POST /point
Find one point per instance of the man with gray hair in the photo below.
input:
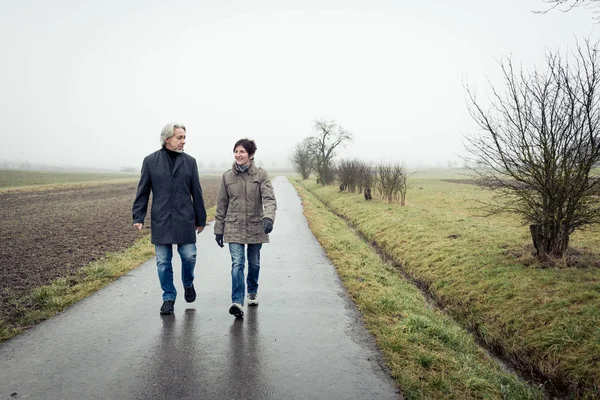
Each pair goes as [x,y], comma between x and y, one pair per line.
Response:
[177,213]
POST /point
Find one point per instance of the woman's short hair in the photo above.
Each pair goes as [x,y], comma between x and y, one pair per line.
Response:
[169,130]
[248,145]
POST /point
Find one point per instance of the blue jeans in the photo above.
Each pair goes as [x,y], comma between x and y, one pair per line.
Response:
[238,261]
[164,256]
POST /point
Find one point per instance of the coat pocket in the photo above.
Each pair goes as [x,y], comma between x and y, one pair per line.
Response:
[255,227]
[230,227]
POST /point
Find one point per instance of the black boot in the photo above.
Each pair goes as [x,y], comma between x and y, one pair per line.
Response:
[167,307]
[190,294]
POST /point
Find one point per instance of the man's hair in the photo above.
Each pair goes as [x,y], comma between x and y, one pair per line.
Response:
[168,131]
[248,145]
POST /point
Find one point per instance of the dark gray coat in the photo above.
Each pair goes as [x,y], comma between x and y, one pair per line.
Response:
[177,202]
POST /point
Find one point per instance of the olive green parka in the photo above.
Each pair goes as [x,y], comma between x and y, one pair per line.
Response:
[244,199]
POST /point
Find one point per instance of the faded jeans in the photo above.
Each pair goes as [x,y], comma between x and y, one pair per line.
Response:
[238,261]
[164,256]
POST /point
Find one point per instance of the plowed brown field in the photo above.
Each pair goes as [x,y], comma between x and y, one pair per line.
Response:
[51,232]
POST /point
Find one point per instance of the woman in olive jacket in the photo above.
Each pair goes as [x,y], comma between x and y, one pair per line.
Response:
[244,218]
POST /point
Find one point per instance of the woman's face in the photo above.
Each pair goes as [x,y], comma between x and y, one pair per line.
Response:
[241,156]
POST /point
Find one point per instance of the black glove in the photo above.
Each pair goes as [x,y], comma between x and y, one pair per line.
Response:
[219,240]
[267,225]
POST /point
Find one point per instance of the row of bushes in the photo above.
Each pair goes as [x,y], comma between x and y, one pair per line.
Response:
[389,180]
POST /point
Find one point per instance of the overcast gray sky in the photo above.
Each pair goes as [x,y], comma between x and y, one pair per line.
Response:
[91,83]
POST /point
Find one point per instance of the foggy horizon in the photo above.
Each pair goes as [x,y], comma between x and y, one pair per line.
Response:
[91,85]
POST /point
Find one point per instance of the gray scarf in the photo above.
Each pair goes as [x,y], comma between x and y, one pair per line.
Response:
[242,168]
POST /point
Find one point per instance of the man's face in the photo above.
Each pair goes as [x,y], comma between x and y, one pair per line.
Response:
[177,141]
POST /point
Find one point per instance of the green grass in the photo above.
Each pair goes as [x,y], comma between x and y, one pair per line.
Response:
[429,355]
[482,272]
[440,173]
[45,301]
[15,179]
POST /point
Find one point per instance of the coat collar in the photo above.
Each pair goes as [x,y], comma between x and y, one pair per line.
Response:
[178,161]
[176,164]
[251,169]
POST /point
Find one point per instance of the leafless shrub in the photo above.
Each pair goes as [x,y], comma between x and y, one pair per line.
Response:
[539,147]
[348,174]
[366,177]
[392,181]
[302,159]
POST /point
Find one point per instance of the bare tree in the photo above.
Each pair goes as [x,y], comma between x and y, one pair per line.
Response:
[392,181]
[568,5]
[366,179]
[329,136]
[356,175]
[539,144]
[302,159]
[401,174]
[348,172]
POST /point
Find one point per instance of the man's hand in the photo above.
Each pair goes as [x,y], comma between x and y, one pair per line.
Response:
[219,240]
[199,229]
[267,225]
[138,226]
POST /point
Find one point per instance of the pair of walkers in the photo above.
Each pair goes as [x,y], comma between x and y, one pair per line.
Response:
[244,216]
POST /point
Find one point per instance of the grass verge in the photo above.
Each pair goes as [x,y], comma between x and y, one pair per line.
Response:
[429,355]
[45,301]
[481,271]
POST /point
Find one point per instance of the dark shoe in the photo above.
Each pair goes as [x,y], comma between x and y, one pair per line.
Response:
[252,299]
[167,307]
[190,294]
[236,310]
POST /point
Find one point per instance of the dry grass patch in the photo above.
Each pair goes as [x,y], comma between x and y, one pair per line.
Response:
[545,321]
[429,355]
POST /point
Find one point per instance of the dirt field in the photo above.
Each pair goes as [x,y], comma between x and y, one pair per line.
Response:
[46,233]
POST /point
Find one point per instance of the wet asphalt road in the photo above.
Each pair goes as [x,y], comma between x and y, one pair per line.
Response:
[304,341]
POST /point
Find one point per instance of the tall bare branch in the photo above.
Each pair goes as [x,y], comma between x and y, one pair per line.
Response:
[329,137]
[538,148]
